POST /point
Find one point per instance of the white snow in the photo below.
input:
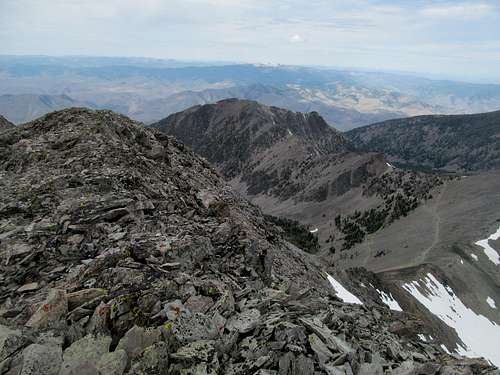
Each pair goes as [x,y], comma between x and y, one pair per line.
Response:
[474,256]
[491,302]
[490,252]
[389,300]
[343,293]
[390,165]
[445,348]
[462,261]
[314,230]
[290,132]
[422,337]
[363,285]
[480,336]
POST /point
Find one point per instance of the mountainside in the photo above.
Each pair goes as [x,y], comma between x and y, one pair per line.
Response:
[416,231]
[461,143]
[123,252]
[295,165]
[233,133]
[5,124]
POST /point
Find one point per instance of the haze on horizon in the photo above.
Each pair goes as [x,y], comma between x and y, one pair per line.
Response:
[449,39]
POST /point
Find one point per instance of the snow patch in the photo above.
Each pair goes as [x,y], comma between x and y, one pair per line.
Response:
[342,292]
[474,256]
[445,348]
[462,261]
[480,336]
[422,337]
[314,230]
[390,165]
[389,300]
[289,132]
[491,302]
[490,252]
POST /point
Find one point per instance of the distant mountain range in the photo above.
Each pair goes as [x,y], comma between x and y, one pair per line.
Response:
[461,143]
[149,90]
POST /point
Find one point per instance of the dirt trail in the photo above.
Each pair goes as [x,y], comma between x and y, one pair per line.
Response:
[422,257]
[437,226]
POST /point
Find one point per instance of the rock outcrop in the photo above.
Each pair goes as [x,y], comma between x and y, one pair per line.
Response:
[123,252]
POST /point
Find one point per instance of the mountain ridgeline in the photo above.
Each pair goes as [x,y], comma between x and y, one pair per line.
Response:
[458,143]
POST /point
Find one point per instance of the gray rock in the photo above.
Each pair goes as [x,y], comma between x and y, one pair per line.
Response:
[10,342]
[202,350]
[81,297]
[28,288]
[137,339]
[199,304]
[41,360]
[154,360]
[321,350]
[244,322]
[194,327]
[113,363]
[370,369]
[51,310]
[83,353]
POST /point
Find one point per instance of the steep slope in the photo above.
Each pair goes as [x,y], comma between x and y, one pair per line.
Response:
[123,252]
[294,165]
[460,143]
[446,254]
[5,124]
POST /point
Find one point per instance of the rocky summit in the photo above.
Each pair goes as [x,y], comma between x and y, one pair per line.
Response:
[124,253]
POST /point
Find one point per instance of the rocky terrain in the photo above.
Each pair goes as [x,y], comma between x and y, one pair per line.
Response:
[461,143]
[294,165]
[123,252]
[5,124]
[422,234]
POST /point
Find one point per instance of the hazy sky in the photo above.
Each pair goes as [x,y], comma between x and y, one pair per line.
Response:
[452,38]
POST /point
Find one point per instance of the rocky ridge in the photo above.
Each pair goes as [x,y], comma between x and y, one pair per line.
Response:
[5,124]
[123,252]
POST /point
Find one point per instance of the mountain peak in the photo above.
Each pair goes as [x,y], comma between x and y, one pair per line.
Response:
[232,131]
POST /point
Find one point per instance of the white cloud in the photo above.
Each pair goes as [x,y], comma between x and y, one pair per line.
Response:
[459,10]
[296,39]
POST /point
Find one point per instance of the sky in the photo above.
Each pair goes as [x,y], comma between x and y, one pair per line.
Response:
[459,39]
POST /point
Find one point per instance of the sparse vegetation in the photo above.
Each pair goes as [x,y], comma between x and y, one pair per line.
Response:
[296,233]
